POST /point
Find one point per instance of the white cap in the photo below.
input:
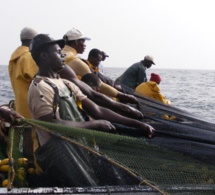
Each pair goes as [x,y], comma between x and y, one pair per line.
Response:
[150,58]
[27,33]
[75,34]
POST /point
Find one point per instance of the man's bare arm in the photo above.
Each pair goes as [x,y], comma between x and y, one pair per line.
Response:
[98,98]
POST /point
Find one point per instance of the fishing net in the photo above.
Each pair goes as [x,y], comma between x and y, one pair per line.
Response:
[179,130]
[178,160]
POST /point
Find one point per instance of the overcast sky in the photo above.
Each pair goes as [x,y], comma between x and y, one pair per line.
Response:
[177,33]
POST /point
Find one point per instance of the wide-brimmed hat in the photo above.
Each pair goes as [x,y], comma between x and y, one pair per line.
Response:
[104,54]
[43,39]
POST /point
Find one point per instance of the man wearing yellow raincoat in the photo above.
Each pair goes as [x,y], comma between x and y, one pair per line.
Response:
[22,69]
[151,89]
[75,44]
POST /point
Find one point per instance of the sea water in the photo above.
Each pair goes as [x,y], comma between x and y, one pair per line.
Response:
[190,90]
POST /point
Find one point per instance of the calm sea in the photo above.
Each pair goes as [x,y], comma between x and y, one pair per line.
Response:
[190,90]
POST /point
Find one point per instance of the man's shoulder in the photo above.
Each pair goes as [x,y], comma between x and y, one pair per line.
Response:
[138,64]
[20,52]
[40,81]
[69,84]
[35,84]
[79,67]
[41,85]
[37,80]
[70,54]
[134,66]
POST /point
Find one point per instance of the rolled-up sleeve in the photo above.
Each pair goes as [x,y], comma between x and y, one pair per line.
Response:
[40,99]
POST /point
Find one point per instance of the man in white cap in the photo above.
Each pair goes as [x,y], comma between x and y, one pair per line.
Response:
[22,69]
[75,44]
[135,74]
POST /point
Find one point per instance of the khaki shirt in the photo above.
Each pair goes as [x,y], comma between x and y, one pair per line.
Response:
[41,95]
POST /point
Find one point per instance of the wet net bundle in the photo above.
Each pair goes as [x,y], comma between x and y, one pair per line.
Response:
[178,160]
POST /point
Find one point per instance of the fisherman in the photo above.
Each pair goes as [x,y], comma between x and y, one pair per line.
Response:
[135,74]
[94,59]
[92,80]
[151,89]
[46,89]
[22,69]
[75,44]
[98,98]
[6,116]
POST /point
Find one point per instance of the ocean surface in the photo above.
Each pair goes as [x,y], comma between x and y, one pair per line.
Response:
[190,90]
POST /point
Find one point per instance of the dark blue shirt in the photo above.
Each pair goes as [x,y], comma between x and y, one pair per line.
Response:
[133,76]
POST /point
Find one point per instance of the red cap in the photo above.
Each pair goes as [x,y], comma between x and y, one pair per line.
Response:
[155,77]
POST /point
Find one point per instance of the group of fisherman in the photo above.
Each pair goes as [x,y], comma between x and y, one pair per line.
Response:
[44,72]
[133,80]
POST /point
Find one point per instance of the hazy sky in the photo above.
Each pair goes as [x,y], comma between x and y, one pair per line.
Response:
[177,33]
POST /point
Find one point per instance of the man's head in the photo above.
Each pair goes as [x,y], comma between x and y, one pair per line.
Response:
[155,78]
[148,61]
[92,80]
[95,57]
[26,35]
[104,55]
[76,39]
[47,51]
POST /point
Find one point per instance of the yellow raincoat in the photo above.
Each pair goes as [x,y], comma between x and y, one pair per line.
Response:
[151,90]
[22,69]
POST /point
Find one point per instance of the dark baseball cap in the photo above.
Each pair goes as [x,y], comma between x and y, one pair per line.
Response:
[103,53]
[43,39]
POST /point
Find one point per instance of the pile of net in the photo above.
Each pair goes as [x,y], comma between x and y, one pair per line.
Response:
[179,159]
